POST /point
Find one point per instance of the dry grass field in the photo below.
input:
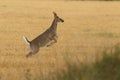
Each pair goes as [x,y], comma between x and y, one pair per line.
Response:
[89,27]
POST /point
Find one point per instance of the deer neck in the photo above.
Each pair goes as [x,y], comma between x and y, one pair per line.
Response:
[54,25]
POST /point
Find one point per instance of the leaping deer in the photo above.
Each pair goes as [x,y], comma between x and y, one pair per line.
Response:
[47,38]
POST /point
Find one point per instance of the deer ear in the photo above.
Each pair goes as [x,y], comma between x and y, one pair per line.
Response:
[54,14]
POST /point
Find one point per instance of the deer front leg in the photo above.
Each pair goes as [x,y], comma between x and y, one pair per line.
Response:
[53,40]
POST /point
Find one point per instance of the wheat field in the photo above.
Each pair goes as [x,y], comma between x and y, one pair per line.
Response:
[89,27]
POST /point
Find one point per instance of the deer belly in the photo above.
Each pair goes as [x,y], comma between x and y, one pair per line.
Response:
[45,43]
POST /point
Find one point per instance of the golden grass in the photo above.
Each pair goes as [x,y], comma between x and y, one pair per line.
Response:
[88,28]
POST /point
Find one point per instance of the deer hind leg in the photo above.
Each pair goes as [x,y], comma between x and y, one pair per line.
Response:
[53,40]
[32,53]
[29,54]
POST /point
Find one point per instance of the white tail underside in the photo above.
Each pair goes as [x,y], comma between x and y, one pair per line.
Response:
[26,40]
[28,44]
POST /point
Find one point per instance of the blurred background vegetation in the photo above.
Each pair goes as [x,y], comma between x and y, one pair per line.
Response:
[107,68]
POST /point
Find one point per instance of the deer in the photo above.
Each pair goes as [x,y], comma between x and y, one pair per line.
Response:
[47,38]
